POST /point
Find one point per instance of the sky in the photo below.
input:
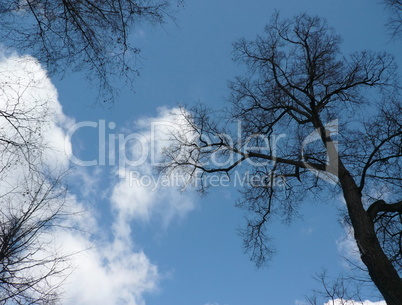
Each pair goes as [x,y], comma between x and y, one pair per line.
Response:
[145,243]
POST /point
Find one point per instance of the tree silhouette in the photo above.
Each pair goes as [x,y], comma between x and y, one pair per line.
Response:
[300,87]
[32,194]
[395,19]
[85,35]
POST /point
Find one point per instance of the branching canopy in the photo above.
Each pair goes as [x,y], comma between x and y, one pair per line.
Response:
[312,117]
[88,35]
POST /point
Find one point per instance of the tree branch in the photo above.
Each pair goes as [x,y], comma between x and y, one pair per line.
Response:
[382,206]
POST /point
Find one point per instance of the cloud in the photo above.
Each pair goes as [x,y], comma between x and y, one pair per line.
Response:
[105,270]
[112,272]
[31,111]
[140,193]
[344,302]
[351,302]
[108,273]
[347,247]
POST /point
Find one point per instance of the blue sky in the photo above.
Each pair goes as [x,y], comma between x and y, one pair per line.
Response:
[168,248]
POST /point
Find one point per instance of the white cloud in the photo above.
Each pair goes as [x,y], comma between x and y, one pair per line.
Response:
[344,302]
[347,246]
[27,94]
[112,273]
[351,302]
[140,193]
[106,271]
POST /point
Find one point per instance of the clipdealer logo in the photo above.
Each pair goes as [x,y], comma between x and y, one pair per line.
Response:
[132,151]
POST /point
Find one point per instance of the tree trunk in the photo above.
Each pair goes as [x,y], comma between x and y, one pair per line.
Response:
[381,270]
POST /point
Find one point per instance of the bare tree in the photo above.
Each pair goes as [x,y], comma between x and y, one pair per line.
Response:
[342,289]
[88,35]
[395,19]
[31,268]
[345,289]
[32,195]
[301,97]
